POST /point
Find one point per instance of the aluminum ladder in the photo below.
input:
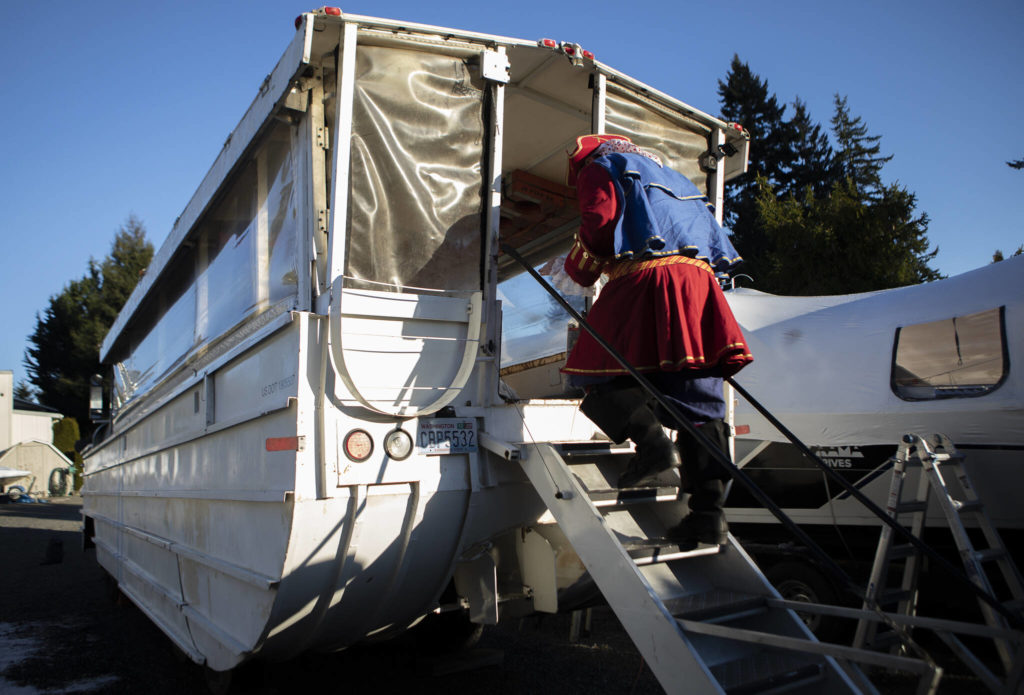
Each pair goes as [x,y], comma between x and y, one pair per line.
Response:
[705,620]
[932,453]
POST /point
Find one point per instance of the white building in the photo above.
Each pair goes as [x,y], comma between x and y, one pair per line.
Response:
[26,436]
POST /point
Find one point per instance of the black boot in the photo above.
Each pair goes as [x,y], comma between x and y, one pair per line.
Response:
[706,521]
[623,413]
[656,456]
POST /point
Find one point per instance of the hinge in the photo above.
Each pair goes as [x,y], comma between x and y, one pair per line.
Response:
[323,140]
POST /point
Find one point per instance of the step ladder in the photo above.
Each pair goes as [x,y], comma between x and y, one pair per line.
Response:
[933,453]
[704,619]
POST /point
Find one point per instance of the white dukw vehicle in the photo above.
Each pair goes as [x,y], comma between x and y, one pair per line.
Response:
[329,415]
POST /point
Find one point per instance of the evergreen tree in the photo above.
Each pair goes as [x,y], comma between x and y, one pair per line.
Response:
[812,163]
[745,99]
[863,235]
[812,215]
[64,348]
[24,391]
[839,244]
[998,255]
[857,155]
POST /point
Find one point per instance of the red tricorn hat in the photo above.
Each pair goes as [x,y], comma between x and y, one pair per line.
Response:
[585,146]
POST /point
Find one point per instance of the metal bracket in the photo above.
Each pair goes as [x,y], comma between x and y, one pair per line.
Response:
[494,66]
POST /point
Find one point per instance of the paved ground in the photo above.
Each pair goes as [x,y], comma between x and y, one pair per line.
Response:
[63,630]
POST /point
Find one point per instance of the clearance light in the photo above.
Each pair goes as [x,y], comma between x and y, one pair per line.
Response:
[589,55]
[569,49]
[398,444]
[358,445]
[548,43]
[335,11]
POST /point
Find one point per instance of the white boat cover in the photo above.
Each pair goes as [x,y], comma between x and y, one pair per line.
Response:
[824,365]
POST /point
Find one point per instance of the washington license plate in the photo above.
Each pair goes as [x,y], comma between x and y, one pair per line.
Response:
[446,436]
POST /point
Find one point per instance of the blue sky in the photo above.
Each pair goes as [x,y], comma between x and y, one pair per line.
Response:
[118,108]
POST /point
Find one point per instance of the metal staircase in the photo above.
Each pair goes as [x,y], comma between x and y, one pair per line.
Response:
[931,454]
[705,620]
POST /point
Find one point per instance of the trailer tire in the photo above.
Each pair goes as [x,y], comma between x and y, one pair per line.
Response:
[800,581]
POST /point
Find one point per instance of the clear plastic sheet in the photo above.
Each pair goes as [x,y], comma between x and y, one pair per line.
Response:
[242,262]
[678,141]
[417,150]
[534,325]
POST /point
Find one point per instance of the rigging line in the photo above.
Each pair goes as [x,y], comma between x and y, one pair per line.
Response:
[533,440]
[956,339]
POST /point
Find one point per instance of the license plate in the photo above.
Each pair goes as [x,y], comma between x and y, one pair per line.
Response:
[446,436]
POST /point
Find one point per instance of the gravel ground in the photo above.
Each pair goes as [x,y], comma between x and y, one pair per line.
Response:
[64,630]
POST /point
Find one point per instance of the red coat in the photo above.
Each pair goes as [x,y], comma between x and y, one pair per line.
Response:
[666,314]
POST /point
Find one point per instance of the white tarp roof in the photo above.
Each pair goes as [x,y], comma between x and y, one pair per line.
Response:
[822,365]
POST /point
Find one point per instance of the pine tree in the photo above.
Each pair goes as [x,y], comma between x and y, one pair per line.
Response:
[745,99]
[812,163]
[857,153]
[63,350]
[998,255]
[862,236]
[24,391]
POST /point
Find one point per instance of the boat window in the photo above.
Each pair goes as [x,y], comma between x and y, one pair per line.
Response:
[417,187]
[954,358]
[239,263]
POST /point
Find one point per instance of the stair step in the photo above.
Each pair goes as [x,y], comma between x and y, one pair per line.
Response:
[883,640]
[715,606]
[613,497]
[571,450]
[766,672]
[889,597]
[902,551]
[1016,605]
[966,506]
[911,507]
[647,551]
[990,554]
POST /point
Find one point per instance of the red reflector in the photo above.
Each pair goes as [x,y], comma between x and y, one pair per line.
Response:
[284,443]
[589,55]
[742,429]
[358,445]
[336,11]
[569,50]
[548,43]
